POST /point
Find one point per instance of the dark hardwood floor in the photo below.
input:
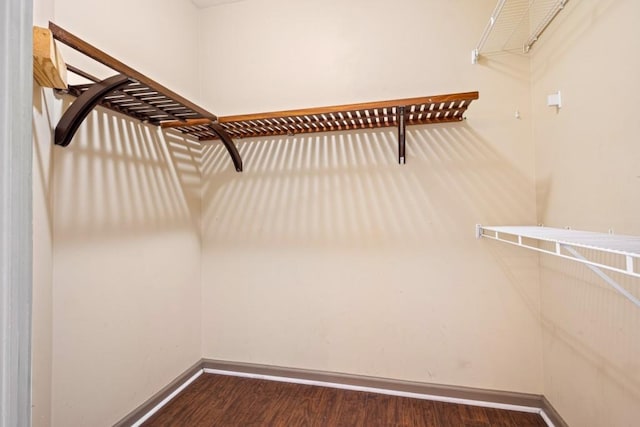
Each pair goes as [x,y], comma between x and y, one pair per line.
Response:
[217,400]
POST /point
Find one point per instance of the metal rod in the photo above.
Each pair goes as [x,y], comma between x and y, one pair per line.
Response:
[487,30]
[402,128]
[544,24]
[188,122]
[82,73]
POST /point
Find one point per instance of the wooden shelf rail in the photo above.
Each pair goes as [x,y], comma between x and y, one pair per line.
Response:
[129,92]
[399,112]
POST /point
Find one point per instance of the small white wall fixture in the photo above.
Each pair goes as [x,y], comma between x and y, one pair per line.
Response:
[554,100]
[566,243]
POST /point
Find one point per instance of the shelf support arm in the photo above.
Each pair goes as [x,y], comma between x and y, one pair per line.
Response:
[229,145]
[402,129]
[615,285]
[82,106]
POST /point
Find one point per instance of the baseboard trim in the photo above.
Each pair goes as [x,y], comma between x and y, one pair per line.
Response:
[161,398]
[444,391]
[454,394]
[551,412]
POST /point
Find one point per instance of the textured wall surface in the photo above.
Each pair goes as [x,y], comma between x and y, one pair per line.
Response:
[151,252]
[117,226]
[327,254]
[588,178]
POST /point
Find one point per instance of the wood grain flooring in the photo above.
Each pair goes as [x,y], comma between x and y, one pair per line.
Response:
[217,400]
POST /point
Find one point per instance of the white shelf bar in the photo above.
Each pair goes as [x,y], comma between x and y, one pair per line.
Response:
[566,244]
[516,25]
[475,53]
[544,23]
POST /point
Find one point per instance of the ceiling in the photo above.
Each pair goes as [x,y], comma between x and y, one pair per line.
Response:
[209,3]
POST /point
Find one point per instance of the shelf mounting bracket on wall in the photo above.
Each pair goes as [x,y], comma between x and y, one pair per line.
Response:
[402,128]
[133,94]
[565,243]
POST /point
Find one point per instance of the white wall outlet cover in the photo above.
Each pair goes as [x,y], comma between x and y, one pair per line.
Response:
[554,100]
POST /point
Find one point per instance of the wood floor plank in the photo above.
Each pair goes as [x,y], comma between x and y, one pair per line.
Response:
[380,410]
[257,403]
[473,415]
[305,406]
[498,417]
[218,400]
[448,415]
[416,412]
[349,409]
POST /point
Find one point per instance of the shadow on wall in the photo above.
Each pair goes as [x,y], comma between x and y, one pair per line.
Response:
[43,167]
[585,15]
[591,338]
[121,176]
[347,189]
[503,62]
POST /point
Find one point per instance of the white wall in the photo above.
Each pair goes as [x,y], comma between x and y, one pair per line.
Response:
[42,255]
[156,37]
[117,225]
[588,178]
[325,253]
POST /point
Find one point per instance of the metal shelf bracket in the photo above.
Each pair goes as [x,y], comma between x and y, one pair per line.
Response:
[402,130]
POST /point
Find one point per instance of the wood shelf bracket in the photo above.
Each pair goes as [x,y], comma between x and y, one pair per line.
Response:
[229,145]
[80,109]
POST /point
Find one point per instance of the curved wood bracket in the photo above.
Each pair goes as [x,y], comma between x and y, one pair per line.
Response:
[228,143]
[80,109]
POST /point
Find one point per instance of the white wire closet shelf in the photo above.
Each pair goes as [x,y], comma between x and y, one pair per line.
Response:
[612,252]
[515,25]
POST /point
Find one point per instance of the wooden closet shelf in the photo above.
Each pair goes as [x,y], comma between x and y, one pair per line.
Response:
[417,111]
[132,93]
